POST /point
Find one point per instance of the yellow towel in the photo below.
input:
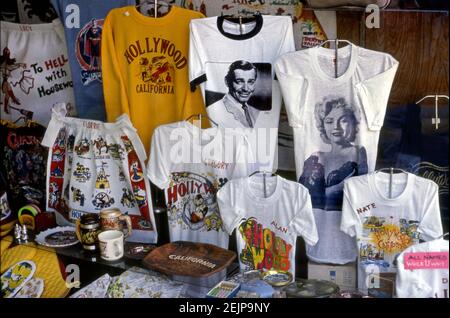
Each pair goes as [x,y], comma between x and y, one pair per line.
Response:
[47,267]
[5,243]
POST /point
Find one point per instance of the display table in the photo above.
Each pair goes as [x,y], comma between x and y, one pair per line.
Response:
[79,265]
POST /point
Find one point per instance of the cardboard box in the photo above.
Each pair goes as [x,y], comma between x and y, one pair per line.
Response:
[342,275]
[386,286]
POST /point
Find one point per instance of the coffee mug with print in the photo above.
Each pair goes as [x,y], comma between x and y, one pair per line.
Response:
[111,245]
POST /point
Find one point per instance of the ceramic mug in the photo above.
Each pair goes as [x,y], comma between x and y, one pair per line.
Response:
[113,219]
[87,229]
[111,245]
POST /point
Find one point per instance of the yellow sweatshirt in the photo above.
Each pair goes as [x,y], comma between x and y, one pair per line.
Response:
[145,68]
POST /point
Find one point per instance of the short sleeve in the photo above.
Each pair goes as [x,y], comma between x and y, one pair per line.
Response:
[374,93]
[431,225]
[229,211]
[157,168]
[294,89]
[197,72]
[303,223]
[350,221]
[288,44]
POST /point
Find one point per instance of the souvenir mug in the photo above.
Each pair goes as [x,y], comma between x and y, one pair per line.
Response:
[112,219]
[111,245]
[87,229]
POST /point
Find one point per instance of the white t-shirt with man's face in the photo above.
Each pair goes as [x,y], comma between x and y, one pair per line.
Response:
[385,223]
[336,123]
[268,214]
[233,65]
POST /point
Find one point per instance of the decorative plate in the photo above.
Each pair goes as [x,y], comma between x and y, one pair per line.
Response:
[5,210]
[32,289]
[58,237]
[16,277]
[277,278]
[311,288]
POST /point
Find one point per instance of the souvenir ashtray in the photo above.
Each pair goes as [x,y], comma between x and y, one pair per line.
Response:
[277,278]
[311,288]
[252,274]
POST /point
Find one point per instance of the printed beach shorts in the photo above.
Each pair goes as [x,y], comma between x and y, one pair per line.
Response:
[94,165]
[35,71]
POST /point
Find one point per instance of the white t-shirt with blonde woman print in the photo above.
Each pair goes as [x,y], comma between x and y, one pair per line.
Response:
[336,123]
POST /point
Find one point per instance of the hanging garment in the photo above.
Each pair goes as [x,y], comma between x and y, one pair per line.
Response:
[267,222]
[337,122]
[209,158]
[386,221]
[232,65]
[83,25]
[94,165]
[35,71]
[27,11]
[23,164]
[145,68]
[423,271]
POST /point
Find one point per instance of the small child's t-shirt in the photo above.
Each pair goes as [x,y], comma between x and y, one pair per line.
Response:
[385,225]
[268,214]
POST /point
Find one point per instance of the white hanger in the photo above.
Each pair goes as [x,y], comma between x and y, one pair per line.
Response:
[336,46]
[436,120]
[155,5]
[264,179]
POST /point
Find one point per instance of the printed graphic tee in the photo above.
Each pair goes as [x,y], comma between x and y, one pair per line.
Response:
[191,165]
[267,222]
[35,71]
[83,24]
[336,124]
[427,278]
[27,11]
[23,164]
[145,68]
[236,77]
[386,225]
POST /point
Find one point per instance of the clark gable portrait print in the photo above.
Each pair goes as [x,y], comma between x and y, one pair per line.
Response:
[242,90]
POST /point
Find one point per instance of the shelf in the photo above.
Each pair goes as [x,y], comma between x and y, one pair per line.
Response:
[361,9]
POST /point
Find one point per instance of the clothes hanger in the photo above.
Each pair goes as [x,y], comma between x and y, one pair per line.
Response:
[336,46]
[155,4]
[241,16]
[199,116]
[443,236]
[391,173]
[272,174]
[436,120]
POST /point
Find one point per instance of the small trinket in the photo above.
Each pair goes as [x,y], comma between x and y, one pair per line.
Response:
[24,234]
[18,233]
